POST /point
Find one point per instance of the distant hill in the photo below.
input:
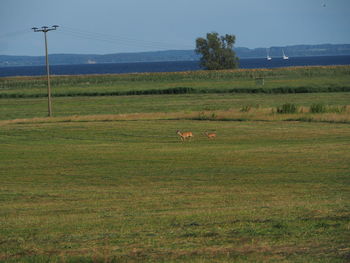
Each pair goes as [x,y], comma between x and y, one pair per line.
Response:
[296,51]
[173,55]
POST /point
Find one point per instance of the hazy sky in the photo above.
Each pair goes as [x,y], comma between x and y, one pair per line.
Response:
[113,26]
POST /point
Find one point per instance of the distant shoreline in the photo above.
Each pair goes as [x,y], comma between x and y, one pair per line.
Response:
[174,55]
[136,62]
[167,66]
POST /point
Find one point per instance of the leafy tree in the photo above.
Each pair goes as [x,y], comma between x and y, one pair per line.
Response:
[217,51]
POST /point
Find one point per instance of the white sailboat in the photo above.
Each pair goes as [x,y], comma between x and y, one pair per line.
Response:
[284,55]
[268,56]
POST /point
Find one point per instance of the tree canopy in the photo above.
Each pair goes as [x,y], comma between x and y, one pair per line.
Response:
[217,51]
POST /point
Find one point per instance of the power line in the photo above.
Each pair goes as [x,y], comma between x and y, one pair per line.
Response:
[121,40]
[15,33]
[119,37]
[115,42]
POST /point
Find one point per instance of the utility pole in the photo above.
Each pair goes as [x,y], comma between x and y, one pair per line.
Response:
[46,29]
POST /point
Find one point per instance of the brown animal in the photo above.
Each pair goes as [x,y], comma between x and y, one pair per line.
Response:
[211,135]
[184,135]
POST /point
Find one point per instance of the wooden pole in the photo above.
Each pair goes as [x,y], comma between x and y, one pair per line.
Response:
[48,78]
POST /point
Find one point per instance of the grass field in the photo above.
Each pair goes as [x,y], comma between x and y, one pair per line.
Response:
[285,80]
[108,180]
[185,103]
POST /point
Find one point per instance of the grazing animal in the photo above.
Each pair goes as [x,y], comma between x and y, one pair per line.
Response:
[184,135]
[211,135]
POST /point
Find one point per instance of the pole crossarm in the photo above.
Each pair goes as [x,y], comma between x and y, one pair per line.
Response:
[45,28]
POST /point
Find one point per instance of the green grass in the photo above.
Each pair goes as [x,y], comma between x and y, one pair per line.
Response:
[108,179]
[37,107]
[130,190]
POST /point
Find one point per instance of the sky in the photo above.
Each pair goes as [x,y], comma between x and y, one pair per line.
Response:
[116,26]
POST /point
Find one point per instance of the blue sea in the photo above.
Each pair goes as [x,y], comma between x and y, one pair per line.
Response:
[170,66]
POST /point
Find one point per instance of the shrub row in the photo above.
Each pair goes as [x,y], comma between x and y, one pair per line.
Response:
[185,90]
[177,90]
[287,108]
[322,108]
[314,108]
